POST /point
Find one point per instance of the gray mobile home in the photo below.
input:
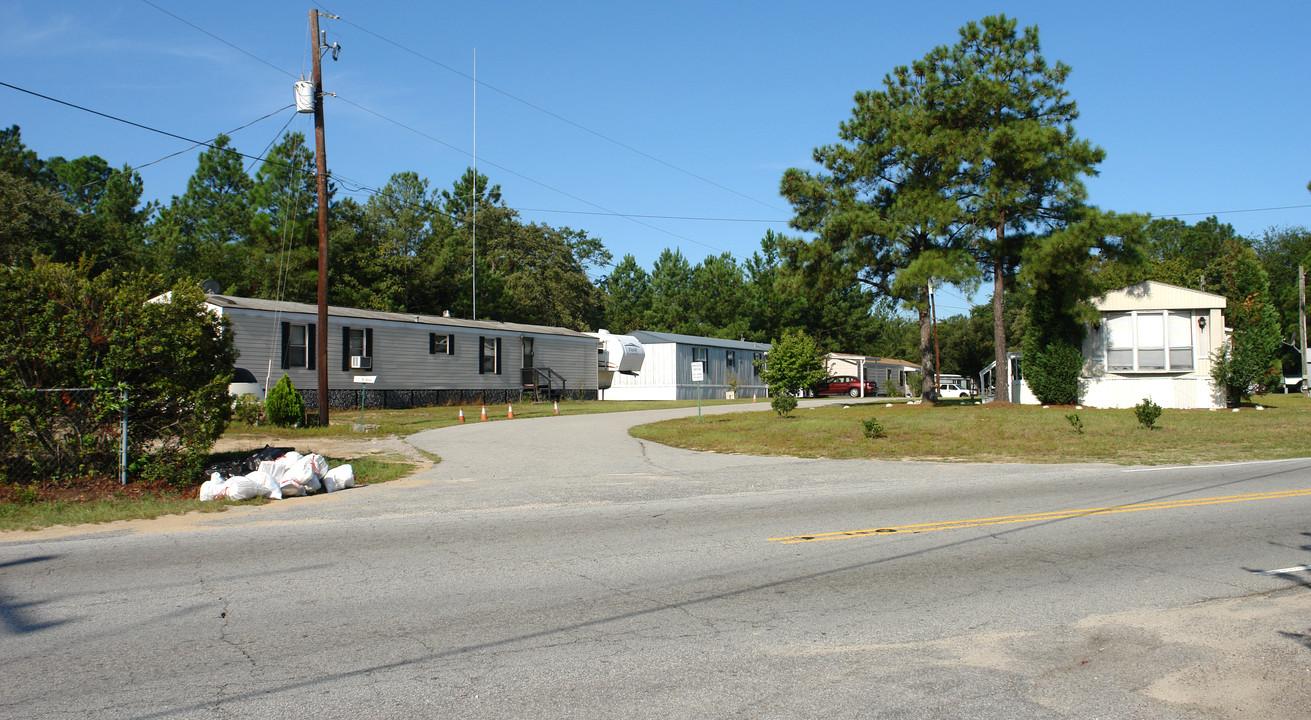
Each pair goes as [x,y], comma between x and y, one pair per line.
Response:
[416,359]
[667,369]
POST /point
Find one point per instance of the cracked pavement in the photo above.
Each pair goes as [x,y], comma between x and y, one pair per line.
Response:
[557,567]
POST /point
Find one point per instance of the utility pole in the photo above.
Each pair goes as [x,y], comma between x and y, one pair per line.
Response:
[321,170]
[1301,326]
[937,357]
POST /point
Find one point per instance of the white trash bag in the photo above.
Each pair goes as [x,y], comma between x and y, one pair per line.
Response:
[211,487]
[339,478]
[268,486]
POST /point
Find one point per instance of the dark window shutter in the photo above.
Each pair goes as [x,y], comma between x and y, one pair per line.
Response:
[498,356]
[432,343]
[312,346]
[286,335]
[368,343]
[482,355]
[450,344]
[345,349]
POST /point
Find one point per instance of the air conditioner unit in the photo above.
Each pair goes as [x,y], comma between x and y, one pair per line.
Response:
[361,362]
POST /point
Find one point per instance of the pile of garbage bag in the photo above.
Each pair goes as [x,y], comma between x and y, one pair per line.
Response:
[275,473]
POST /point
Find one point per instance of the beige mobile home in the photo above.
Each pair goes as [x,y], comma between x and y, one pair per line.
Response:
[1154,340]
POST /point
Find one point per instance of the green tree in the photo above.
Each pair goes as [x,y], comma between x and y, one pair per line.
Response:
[1007,113]
[401,218]
[282,250]
[63,328]
[671,293]
[203,233]
[794,364]
[1250,363]
[1059,282]
[886,210]
[1281,251]
[627,296]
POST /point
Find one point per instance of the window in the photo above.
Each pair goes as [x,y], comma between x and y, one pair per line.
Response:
[298,346]
[441,344]
[730,360]
[489,356]
[757,364]
[528,353]
[355,342]
[1155,341]
[700,354]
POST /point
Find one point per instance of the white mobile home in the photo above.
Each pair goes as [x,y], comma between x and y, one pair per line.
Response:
[416,359]
[1154,340]
[667,369]
[887,373]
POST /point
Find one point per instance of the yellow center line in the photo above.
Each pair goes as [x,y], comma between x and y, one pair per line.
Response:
[1036,517]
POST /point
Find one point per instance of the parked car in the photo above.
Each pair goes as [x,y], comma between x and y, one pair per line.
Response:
[843,385]
[244,383]
[953,390]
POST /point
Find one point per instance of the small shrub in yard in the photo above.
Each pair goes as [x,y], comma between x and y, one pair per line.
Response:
[248,409]
[284,406]
[1148,412]
[1076,422]
[873,428]
[783,404]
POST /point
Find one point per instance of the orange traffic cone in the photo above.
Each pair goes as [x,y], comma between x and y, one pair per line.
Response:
[510,412]
[753,397]
[557,408]
[461,414]
[484,412]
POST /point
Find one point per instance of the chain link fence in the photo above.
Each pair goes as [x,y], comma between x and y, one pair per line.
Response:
[63,433]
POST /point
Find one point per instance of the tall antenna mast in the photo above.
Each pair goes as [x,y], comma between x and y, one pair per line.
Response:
[474,191]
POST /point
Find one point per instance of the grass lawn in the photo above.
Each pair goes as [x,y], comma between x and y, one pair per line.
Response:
[954,431]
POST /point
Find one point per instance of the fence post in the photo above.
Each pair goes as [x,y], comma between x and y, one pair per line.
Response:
[122,449]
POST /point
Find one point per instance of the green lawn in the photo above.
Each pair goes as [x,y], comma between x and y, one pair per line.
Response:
[955,431]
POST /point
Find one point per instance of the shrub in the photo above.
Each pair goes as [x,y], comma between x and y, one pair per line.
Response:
[783,404]
[1053,373]
[1076,422]
[873,428]
[284,405]
[248,409]
[795,363]
[1147,412]
[915,381]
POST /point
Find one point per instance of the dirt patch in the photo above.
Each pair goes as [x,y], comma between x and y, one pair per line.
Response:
[386,447]
[89,490]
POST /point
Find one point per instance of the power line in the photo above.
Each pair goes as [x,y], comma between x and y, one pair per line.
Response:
[605,210]
[216,37]
[561,118]
[115,118]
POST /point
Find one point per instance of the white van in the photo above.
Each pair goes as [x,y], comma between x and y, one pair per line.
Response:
[953,390]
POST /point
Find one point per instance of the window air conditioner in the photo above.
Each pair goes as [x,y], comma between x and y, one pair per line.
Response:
[361,362]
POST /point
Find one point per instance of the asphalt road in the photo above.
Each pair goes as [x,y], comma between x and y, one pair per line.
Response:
[559,568]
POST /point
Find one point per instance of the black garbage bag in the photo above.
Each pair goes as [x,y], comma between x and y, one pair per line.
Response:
[265,453]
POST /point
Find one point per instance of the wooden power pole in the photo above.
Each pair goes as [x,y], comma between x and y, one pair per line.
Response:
[321,170]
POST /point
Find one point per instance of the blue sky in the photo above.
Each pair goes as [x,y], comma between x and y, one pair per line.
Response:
[662,111]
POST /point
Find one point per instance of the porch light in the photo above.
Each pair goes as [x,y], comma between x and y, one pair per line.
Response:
[1201,323]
